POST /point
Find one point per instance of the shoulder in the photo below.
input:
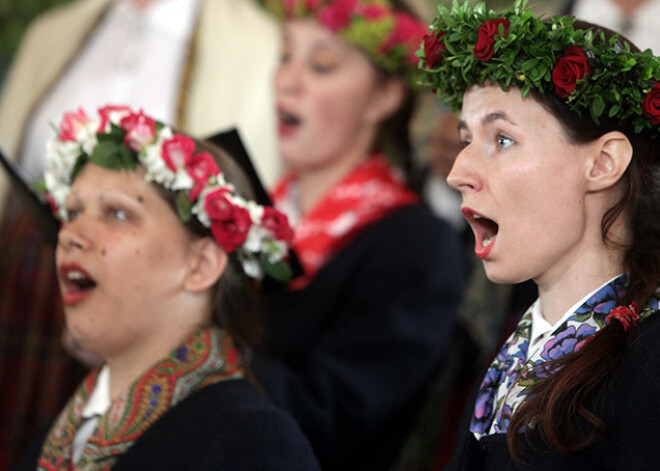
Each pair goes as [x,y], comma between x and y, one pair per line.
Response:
[77,10]
[229,424]
[411,231]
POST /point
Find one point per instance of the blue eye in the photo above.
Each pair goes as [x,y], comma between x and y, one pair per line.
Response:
[504,142]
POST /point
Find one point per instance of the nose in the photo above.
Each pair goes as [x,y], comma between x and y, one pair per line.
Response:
[73,236]
[287,78]
[463,175]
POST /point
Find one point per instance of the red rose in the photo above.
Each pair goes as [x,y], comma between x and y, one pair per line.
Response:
[486,38]
[177,151]
[433,46]
[651,105]
[277,223]
[229,223]
[568,70]
[200,167]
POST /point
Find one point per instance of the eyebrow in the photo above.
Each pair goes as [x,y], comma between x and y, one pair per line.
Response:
[489,118]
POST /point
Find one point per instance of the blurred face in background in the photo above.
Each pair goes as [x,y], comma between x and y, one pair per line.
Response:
[327,94]
[444,145]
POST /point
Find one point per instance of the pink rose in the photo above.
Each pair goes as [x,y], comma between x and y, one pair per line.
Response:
[486,37]
[277,223]
[200,167]
[177,152]
[408,32]
[71,124]
[109,112]
[337,15]
[140,130]
[229,223]
[373,11]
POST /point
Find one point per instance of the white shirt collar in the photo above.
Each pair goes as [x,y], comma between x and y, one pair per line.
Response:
[541,327]
[99,401]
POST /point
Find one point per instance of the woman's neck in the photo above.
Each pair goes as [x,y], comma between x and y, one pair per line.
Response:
[129,365]
[314,183]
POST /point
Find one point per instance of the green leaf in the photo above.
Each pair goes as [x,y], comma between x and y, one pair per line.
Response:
[279,271]
[106,155]
[183,206]
[597,108]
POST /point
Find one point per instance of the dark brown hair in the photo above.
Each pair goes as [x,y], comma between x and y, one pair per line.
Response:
[235,296]
[563,405]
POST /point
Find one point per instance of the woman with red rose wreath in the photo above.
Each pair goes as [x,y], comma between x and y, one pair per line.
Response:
[559,177]
[154,258]
[352,343]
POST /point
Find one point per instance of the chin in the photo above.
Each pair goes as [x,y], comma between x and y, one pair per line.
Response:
[500,275]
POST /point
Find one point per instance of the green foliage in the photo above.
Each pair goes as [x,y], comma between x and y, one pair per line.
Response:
[15,16]
[525,58]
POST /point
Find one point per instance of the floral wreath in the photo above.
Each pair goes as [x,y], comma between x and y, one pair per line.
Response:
[592,74]
[122,139]
[389,37]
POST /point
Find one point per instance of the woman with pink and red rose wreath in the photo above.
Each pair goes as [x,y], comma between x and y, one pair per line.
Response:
[559,174]
[352,343]
[157,256]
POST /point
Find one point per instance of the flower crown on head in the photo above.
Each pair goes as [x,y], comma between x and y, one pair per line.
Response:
[388,36]
[592,74]
[123,139]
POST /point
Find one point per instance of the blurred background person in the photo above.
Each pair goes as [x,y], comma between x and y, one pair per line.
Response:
[638,20]
[178,58]
[352,344]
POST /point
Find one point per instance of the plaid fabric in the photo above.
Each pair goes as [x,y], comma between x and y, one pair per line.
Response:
[36,374]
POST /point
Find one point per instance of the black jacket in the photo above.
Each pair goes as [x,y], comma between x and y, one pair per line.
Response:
[631,412]
[226,426]
[349,356]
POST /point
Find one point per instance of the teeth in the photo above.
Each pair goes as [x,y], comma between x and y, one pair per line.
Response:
[75,275]
[476,216]
[488,241]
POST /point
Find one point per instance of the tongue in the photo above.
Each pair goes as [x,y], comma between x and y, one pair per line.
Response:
[487,229]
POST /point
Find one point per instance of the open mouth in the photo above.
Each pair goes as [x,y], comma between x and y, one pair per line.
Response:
[77,284]
[287,122]
[485,231]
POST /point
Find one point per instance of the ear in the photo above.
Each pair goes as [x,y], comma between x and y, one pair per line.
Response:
[208,262]
[386,99]
[610,159]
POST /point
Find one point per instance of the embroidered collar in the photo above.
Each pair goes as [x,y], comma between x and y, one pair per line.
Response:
[514,369]
[205,358]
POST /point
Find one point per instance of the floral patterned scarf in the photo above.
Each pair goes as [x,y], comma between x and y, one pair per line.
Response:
[372,190]
[513,371]
[204,359]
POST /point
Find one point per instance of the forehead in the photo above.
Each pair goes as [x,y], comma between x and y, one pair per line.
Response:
[485,104]
[94,180]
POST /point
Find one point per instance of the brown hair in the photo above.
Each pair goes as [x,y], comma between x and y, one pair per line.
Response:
[235,295]
[559,405]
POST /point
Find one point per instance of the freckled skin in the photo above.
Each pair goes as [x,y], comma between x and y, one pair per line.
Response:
[136,287]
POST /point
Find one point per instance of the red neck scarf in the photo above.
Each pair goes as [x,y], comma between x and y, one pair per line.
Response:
[371,191]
